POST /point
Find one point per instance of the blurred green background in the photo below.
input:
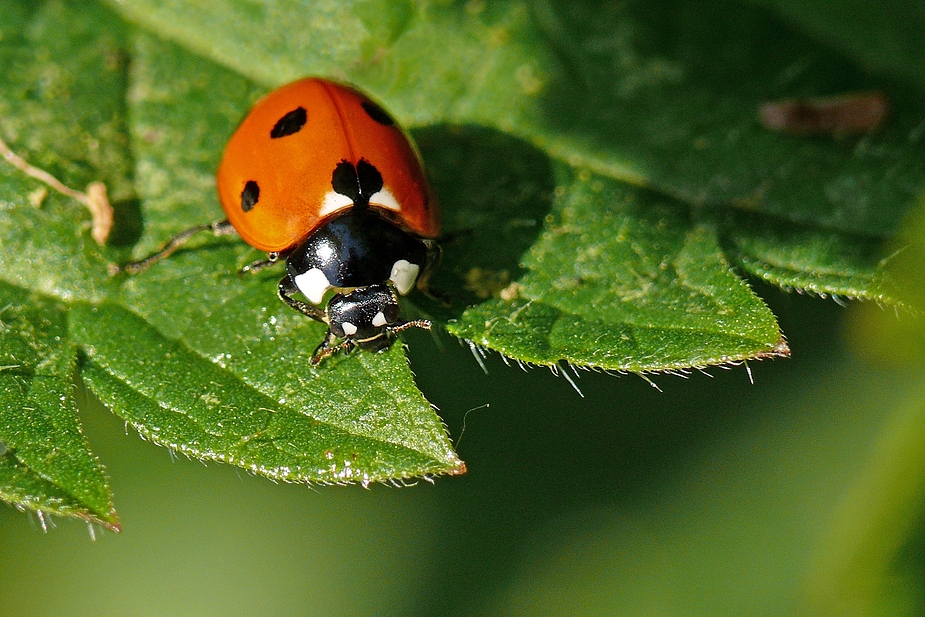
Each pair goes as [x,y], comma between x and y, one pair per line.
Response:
[712,496]
[798,494]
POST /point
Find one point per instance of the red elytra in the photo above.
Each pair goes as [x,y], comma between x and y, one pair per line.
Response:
[287,147]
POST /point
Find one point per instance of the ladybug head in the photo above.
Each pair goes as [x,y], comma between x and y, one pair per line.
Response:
[366,317]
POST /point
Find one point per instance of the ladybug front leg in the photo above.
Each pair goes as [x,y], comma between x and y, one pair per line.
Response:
[285,290]
[327,349]
[260,264]
[219,228]
[434,254]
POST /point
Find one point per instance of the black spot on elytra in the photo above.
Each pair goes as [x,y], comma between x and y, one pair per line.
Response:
[358,183]
[291,123]
[369,178]
[378,114]
[250,195]
[344,181]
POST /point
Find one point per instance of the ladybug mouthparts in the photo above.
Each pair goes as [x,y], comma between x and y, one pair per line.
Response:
[367,318]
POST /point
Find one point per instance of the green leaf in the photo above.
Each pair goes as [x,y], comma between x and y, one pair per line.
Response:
[45,462]
[807,259]
[600,166]
[668,97]
[203,409]
[668,115]
[887,40]
[346,421]
[626,289]
[47,465]
[61,108]
[350,421]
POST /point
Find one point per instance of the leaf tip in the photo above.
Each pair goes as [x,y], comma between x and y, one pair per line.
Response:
[114,527]
[459,469]
[112,522]
[780,350]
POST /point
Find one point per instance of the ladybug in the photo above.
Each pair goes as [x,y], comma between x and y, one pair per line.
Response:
[321,175]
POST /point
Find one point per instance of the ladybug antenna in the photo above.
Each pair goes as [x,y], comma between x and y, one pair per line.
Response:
[359,182]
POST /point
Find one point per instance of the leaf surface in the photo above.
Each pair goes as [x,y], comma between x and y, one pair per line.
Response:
[603,175]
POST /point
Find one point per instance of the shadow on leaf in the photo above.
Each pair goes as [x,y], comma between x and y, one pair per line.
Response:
[495,192]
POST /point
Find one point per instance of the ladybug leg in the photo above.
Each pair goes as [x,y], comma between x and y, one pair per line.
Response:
[285,290]
[219,228]
[424,324]
[430,265]
[434,254]
[260,264]
[326,349]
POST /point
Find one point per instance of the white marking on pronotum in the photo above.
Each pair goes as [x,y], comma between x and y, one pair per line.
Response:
[379,320]
[349,328]
[334,201]
[383,197]
[313,284]
[404,274]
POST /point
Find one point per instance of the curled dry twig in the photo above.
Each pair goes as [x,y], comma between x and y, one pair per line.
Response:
[95,197]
